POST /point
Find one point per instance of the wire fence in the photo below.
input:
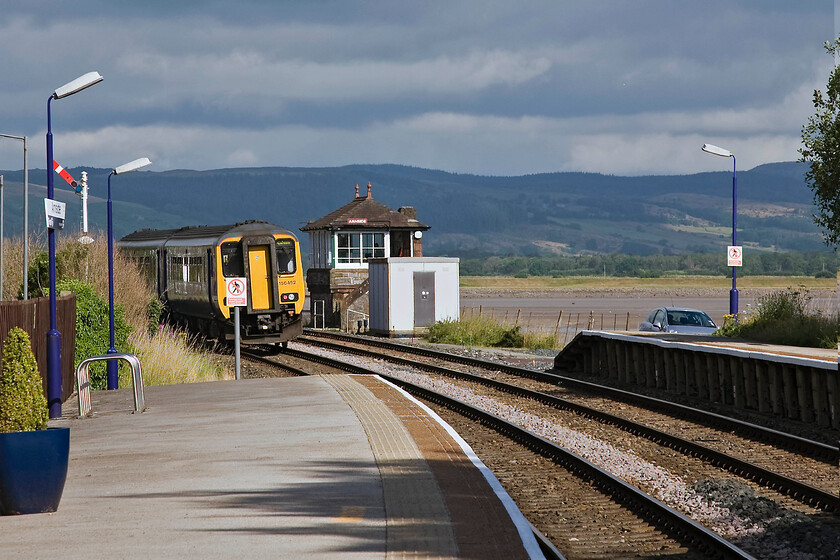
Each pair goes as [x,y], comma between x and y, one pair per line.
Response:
[564,324]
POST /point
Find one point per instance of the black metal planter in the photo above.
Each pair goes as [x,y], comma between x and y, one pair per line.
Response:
[33,468]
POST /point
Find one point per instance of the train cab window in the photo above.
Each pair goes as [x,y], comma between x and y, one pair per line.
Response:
[232,263]
[286,256]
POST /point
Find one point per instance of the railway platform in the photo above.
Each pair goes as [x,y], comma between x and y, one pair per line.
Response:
[339,467]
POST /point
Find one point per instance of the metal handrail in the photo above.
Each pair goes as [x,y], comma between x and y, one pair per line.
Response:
[83,381]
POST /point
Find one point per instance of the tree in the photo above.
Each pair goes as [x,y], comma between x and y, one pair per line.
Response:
[821,140]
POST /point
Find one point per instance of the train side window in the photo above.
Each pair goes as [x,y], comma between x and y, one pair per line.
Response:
[286,256]
[146,261]
[196,270]
[232,263]
[176,274]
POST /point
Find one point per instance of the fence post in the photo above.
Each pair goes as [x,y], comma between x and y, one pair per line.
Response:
[568,324]
[627,324]
[557,327]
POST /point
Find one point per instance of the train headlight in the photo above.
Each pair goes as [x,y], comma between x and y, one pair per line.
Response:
[288,297]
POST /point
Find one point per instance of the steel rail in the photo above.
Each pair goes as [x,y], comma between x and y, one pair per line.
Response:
[828,454]
[793,488]
[709,542]
[263,360]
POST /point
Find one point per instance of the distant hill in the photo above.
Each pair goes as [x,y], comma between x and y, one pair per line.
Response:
[548,213]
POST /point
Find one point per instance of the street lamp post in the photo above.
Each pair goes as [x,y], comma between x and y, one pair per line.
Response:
[113,379]
[25,213]
[733,293]
[53,336]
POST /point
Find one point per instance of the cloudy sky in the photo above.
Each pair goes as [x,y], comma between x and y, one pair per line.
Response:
[493,87]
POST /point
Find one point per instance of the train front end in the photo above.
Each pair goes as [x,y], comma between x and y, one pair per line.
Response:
[270,264]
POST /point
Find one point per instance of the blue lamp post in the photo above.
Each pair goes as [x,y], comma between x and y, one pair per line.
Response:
[53,336]
[733,293]
[113,380]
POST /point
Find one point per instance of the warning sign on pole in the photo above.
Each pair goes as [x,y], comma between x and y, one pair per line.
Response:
[237,291]
[734,255]
[54,211]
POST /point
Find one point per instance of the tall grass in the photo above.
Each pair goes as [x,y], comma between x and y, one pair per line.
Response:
[170,357]
[787,317]
[487,332]
[166,356]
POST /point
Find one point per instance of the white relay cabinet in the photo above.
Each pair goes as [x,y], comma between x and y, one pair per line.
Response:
[408,294]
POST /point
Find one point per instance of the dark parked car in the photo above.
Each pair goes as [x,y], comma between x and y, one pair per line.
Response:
[678,320]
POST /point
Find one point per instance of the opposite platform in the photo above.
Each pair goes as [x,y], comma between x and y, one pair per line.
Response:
[340,467]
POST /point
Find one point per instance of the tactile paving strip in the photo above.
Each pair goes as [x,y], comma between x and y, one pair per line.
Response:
[418,522]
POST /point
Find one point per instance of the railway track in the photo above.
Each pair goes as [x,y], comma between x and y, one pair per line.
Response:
[802,469]
[809,447]
[595,514]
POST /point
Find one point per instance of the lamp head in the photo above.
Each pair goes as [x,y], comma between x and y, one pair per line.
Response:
[132,165]
[78,85]
[712,149]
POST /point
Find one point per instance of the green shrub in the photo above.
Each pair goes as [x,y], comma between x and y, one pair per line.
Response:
[511,338]
[473,331]
[37,276]
[22,403]
[539,340]
[487,332]
[68,261]
[786,318]
[154,311]
[93,328]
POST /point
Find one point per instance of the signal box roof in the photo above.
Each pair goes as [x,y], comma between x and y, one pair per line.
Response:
[366,213]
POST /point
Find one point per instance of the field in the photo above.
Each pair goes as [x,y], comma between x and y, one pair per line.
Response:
[565,305]
[665,283]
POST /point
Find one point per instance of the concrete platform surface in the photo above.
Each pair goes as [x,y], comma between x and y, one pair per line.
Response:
[265,468]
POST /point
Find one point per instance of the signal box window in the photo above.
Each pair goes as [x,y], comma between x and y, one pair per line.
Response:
[285,256]
[232,263]
[358,247]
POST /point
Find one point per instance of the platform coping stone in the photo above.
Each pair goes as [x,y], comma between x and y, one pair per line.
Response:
[418,522]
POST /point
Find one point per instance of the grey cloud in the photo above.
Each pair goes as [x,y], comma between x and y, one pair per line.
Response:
[471,86]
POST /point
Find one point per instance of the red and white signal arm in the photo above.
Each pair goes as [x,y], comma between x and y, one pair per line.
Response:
[237,291]
[734,255]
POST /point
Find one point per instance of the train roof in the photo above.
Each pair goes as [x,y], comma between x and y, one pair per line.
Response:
[193,233]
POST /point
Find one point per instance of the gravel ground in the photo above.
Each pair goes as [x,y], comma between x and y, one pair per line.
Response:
[727,506]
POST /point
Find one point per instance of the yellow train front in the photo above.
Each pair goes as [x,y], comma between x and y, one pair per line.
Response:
[191,266]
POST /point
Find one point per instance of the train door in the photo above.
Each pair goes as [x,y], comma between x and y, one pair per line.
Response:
[211,276]
[259,263]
